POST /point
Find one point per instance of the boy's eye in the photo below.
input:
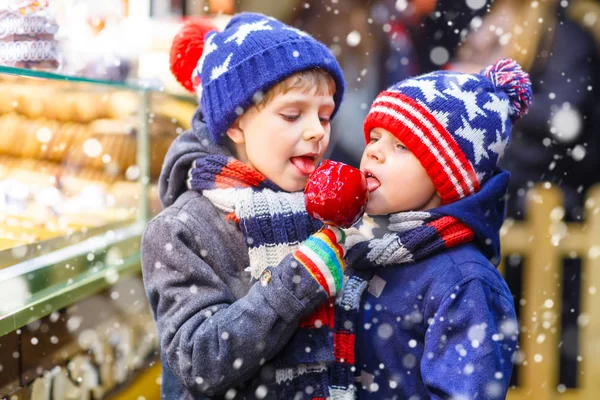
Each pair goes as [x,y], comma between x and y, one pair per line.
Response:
[325,121]
[373,139]
[290,118]
[401,147]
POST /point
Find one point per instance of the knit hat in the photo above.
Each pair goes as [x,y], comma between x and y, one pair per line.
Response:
[457,125]
[238,65]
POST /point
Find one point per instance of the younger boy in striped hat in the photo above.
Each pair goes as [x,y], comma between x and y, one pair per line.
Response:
[425,314]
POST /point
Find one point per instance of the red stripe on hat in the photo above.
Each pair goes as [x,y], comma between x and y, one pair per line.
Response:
[439,177]
[452,231]
[423,113]
[343,347]
[432,164]
[313,270]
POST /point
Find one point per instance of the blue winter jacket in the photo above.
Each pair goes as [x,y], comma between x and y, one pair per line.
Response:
[443,327]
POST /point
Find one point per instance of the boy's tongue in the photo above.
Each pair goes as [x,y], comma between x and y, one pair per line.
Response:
[373,183]
[304,164]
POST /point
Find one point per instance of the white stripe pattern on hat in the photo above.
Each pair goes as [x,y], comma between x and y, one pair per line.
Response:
[425,140]
[439,137]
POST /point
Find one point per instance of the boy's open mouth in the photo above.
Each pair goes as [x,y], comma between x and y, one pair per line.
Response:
[305,164]
[372,182]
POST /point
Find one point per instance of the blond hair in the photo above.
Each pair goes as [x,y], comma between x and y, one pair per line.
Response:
[315,81]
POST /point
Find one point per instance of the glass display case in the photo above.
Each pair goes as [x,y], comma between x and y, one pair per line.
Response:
[79,162]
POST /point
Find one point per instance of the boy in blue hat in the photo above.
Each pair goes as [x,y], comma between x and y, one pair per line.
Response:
[425,314]
[225,289]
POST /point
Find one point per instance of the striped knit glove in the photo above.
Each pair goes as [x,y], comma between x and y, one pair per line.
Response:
[322,254]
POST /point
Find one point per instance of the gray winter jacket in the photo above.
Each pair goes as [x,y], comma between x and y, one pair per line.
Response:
[217,328]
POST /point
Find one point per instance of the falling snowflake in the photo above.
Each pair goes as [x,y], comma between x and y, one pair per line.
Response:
[74,323]
[578,153]
[509,328]
[385,331]
[468,369]
[111,276]
[261,392]
[401,5]
[409,361]
[494,390]
[566,124]
[353,39]
[476,334]
[439,55]
[461,350]
[92,148]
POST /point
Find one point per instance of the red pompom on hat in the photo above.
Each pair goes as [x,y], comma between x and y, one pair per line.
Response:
[187,48]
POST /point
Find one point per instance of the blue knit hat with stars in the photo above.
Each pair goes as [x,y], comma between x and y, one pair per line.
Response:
[457,125]
[252,54]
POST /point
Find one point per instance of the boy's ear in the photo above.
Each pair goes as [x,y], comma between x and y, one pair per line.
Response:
[236,134]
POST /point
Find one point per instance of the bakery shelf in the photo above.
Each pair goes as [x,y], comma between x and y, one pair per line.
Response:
[38,286]
[55,253]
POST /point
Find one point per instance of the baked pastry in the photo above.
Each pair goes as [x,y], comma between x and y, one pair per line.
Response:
[27,35]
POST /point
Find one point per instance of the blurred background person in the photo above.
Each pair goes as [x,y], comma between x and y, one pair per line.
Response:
[556,141]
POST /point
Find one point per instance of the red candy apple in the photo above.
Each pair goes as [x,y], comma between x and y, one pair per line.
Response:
[336,194]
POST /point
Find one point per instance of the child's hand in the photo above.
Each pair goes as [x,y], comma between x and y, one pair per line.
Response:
[322,254]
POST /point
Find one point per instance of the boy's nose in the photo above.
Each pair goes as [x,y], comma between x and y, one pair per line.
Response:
[315,131]
[375,154]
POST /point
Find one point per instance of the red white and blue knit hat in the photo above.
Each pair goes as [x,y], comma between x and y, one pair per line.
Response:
[231,69]
[458,125]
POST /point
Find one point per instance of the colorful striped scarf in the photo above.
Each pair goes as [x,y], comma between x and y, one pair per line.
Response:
[381,242]
[274,223]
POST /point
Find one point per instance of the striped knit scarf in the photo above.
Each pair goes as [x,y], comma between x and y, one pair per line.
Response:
[392,241]
[273,223]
